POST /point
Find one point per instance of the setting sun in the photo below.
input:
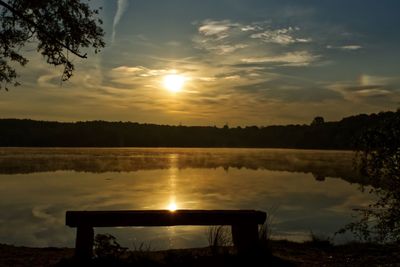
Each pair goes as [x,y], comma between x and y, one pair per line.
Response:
[174,82]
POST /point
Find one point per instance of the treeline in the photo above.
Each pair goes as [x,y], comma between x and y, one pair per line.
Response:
[319,134]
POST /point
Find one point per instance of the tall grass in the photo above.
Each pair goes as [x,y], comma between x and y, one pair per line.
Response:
[219,236]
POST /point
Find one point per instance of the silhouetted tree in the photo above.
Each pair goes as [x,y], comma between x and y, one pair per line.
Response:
[317,121]
[59,27]
[379,160]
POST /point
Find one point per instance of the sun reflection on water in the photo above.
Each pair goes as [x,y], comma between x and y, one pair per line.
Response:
[172,206]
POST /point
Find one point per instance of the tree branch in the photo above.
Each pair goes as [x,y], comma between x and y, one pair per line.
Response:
[32,23]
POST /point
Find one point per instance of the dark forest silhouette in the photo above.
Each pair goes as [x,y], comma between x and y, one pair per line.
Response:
[318,135]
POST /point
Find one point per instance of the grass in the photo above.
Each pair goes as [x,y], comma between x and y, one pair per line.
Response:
[218,237]
[318,251]
[283,253]
[320,241]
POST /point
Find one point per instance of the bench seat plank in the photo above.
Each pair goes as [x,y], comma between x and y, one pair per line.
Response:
[163,217]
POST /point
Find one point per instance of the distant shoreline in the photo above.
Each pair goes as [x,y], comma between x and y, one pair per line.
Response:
[340,135]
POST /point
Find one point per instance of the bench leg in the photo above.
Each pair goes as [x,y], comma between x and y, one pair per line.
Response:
[245,237]
[84,243]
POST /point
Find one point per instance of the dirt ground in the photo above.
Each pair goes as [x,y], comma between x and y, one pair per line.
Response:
[281,253]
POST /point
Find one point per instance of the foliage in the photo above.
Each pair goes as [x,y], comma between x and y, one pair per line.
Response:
[379,160]
[59,27]
[330,135]
[317,121]
[106,246]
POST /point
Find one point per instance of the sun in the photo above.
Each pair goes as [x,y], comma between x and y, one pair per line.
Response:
[174,82]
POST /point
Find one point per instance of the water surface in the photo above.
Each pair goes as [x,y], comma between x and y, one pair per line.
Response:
[302,190]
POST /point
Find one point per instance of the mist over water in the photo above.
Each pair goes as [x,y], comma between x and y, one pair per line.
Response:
[302,190]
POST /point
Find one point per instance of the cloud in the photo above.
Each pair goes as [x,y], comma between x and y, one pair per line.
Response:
[216,29]
[359,93]
[138,71]
[345,47]
[373,92]
[225,49]
[253,27]
[367,80]
[283,36]
[122,5]
[368,88]
[351,47]
[294,59]
[365,90]
[137,76]
[242,43]
[50,79]
[126,69]
[220,37]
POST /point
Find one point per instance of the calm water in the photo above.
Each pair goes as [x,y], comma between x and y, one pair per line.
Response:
[301,190]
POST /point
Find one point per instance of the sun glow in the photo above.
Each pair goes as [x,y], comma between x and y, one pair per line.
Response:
[172,206]
[174,82]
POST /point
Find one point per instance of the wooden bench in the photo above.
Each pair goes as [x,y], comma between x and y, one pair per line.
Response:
[244,224]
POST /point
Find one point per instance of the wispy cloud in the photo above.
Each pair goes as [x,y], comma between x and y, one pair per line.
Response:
[252,27]
[247,43]
[295,59]
[354,92]
[367,80]
[219,37]
[136,75]
[216,29]
[122,5]
[222,49]
[351,47]
[368,88]
[283,36]
[345,47]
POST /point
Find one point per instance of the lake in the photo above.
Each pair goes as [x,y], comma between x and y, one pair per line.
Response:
[302,191]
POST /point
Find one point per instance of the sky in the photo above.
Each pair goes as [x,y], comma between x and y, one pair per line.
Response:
[235,62]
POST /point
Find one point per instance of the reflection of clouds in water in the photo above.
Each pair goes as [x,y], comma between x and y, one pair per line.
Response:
[21,227]
[36,202]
